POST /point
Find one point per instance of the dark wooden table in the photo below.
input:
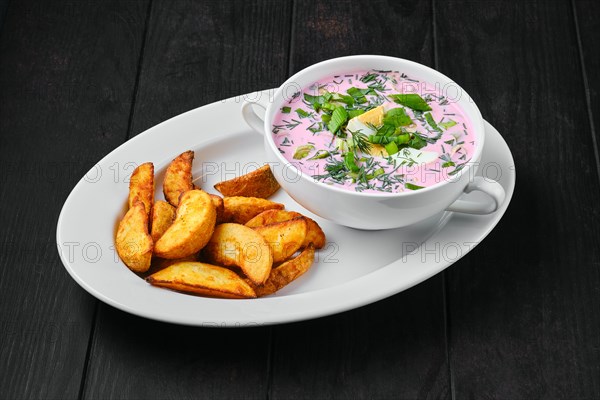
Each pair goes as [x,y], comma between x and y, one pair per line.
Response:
[518,318]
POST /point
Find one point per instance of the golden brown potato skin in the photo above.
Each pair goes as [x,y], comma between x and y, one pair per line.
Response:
[178,177]
[258,183]
[240,210]
[163,215]
[238,245]
[314,235]
[203,279]
[219,206]
[284,238]
[141,186]
[287,272]
[193,226]
[133,242]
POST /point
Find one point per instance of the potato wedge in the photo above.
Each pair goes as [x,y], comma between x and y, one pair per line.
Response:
[218,202]
[141,185]
[158,264]
[178,177]
[163,215]
[203,279]
[285,238]
[258,183]
[287,272]
[242,209]
[314,234]
[133,242]
[240,246]
[193,226]
[271,217]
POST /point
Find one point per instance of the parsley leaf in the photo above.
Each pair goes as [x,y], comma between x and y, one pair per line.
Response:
[397,117]
[411,100]
[412,187]
[338,118]
[358,94]
[348,100]
[417,142]
[355,113]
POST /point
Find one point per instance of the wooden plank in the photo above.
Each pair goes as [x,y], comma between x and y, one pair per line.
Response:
[588,26]
[202,53]
[391,349]
[525,305]
[195,53]
[394,348]
[67,71]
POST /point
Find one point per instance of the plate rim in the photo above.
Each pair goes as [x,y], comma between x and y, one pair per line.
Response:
[260,316]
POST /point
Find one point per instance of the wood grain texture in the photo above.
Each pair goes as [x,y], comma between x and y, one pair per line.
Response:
[324,30]
[202,52]
[66,73]
[525,305]
[395,348]
[588,28]
[195,53]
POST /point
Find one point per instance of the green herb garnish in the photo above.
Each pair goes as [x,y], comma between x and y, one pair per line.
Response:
[303,151]
[316,102]
[351,162]
[368,77]
[301,113]
[320,154]
[391,148]
[411,100]
[358,94]
[338,118]
[361,141]
[355,113]
[448,124]
[286,110]
[412,187]
[416,142]
[348,100]
[397,117]
[431,121]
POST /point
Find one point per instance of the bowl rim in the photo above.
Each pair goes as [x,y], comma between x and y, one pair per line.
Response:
[472,163]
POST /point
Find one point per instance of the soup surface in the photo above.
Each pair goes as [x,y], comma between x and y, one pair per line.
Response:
[374,131]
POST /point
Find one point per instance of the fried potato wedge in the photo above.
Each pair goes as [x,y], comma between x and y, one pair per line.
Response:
[240,210]
[287,272]
[141,186]
[218,202]
[163,215]
[314,235]
[202,279]
[193,226]
[258,183]
[162,263]
[133,242]
[285,238]
[178,177]
[240,246]
[271,217]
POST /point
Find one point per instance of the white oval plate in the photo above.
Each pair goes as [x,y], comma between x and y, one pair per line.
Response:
[355,268]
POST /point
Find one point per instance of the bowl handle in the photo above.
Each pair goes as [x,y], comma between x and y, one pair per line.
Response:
[256,120]
[490,187]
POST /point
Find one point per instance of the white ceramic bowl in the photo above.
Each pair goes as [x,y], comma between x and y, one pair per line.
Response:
[374,210]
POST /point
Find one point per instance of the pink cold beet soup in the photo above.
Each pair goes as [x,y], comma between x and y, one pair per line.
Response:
[375,132]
